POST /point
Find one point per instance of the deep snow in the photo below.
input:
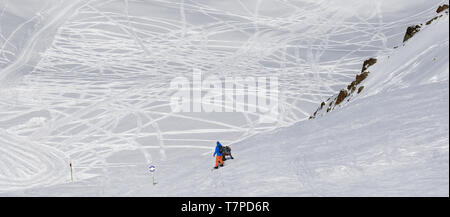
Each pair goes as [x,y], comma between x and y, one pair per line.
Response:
[97,93]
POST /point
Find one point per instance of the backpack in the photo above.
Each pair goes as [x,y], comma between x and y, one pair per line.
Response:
[220,149]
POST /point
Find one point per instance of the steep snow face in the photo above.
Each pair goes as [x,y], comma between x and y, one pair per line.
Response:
[97,93]
[425,62]
[408,69]
[391,140]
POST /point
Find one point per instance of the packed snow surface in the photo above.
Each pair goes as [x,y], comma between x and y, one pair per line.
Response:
[88,81]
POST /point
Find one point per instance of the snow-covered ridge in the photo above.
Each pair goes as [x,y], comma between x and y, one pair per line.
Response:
[389,140]
[356,86]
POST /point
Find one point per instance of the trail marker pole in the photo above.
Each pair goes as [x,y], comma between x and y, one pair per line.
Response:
[71,176]
[152,169]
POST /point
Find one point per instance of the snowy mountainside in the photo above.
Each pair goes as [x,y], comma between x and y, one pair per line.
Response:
[95,102]
[389,140]
[403,76]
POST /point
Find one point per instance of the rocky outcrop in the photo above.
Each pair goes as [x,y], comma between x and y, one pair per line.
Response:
[442,8]
[368,63]
[411,31]
[345,93]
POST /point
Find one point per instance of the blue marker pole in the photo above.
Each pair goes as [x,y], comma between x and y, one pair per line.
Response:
[152,169]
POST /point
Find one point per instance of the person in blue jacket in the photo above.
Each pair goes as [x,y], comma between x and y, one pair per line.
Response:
[218,155]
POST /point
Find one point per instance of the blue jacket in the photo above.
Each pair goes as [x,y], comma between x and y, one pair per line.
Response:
[217,150]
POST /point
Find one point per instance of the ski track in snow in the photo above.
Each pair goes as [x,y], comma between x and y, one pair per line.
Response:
[101,87]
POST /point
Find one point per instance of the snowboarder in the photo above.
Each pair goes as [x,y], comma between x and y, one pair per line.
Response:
[218,152]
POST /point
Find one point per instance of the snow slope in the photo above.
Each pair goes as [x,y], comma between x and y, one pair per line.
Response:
[391,140]
[99,103]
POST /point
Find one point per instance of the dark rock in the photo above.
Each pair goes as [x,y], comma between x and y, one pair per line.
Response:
[342,95]
[360,89]
[410,32]
[430,21]
[368,63]
[442,8]
[322,105]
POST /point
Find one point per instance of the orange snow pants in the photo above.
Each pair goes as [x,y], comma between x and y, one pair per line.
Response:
[219,159]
